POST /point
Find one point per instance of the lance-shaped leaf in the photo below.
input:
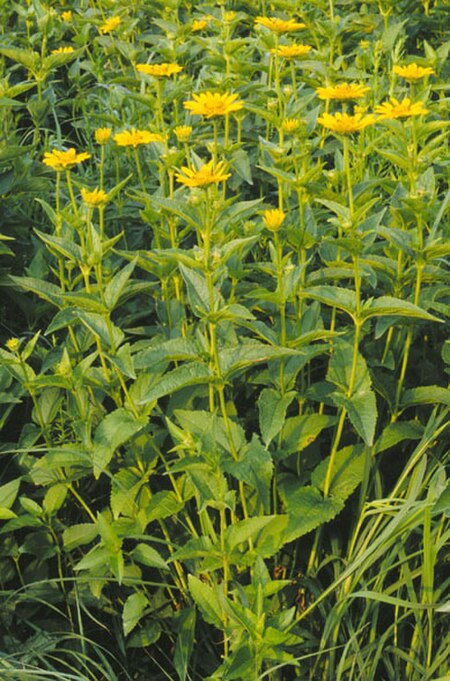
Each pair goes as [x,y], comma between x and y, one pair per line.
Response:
[194,373]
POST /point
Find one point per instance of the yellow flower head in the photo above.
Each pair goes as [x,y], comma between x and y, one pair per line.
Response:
[110,24]
[273,219]
[102,135]
[133,138]
[212,104]
[342,91]
[403,109]
[66,16]
[183,132]
[94,198]
[413,72]
[199,25]
[159,70]
[290,124]
[64,160]
[279,25]
[63,50]
[13,344]
[207,174]
[230,16]
[345,123]
[291,51]
[364,44]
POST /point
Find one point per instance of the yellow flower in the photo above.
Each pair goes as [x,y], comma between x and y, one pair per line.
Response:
[199,25]
[133,138]
[279,25]
[66,16]
[207,174]
[110,24]
[63,50]
[102,135]
[211,104]
[291,51]
[13,344]
[342,91]
[183,132]
[290,124]
[64,160]
[96,197]
[403,109]
[273,219]
[230,16]
[364,44]
[344,123]
[159,70]
[412,71]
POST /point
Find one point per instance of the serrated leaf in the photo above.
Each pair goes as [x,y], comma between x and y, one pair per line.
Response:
[307,509]
[115,287]
[207,600]
[348,471]
[255,468]
[426,394]
[133,611]
[54,498]
[193,373]
[115,429]
[78,535]
[362,411]
[300,431]
[8,493]
[272,412]
[185,642]
[162,505]
[147,555]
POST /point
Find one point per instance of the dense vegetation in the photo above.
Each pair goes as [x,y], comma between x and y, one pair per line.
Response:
[224,357]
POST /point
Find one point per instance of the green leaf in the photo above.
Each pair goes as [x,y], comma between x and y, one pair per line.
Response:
[198,292]
[54,498]
[348,471]
[362,411]
[307,509]
[206,599]
[272,412]
[115,429]
[43,289]
[115,288]
[244,530]
[185,642]
[255,468]
[162,505]
[427,394]
[9,492]
[300,431]
[133,611]
[247,354]
[147,555]
[175,349]
[340,369]
[193,373]
[389,306]
[340,298]
[78,535]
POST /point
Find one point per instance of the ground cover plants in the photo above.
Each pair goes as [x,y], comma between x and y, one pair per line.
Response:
[224,356]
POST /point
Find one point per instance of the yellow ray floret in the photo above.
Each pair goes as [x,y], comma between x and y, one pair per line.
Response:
[279,25]
[273,218]
[102,135]
[133,138]
[110,24]
[212,104]
[94,198]
[342,91]
[403,109]
[63,50]
[345,123]
[64,160]
[291,51]
[207,174]
[413,71]
[159,70]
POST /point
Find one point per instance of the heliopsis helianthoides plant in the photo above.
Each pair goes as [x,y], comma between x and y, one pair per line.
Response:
[400,109]
[344,123]
[277,25]
[413,72]
[342,91]
[212,104]
[164,70]
[110,24]
[64,160]
[224,406]
[291,51]
[209,173]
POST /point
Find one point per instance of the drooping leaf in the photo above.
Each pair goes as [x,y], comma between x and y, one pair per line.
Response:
[272,412]
[133,611]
